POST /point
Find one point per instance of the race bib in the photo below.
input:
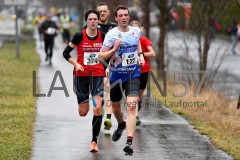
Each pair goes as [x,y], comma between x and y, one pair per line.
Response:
[65,25]
[90,58]
[129,59]
[51,31]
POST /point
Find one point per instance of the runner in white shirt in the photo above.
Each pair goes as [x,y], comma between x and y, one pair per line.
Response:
[124,72]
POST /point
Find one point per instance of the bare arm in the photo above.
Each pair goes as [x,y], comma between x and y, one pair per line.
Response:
[106,53]
[139,49]
[141,57]
[150,52]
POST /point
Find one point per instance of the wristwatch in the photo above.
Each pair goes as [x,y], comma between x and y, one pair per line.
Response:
[141,53]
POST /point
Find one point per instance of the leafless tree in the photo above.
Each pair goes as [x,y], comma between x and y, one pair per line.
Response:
[164,7]
[202,15]
[146,9]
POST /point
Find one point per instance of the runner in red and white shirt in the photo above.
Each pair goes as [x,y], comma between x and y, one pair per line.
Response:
[148,51]
[88,71]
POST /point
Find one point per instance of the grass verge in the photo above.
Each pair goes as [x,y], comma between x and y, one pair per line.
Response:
[17,105]
[210,113]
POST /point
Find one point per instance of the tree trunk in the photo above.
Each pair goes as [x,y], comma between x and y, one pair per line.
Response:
[160,56]
[80,13]
[207,41]
[163,21]
[146,8]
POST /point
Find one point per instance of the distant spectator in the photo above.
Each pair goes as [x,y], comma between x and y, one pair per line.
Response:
[238,30]
[55,18]
[234,37]
[66,24]
[218,26]
[187,14]
[174,19]
[238,35]
[37,23]
[213,28]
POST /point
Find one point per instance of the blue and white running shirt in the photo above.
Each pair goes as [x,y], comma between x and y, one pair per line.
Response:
[125,63]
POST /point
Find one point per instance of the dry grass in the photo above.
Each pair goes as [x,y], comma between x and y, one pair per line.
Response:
[213,115]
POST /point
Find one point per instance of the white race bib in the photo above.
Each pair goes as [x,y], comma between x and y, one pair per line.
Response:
[65,25]
[90,58]
[51,31]
[129,59]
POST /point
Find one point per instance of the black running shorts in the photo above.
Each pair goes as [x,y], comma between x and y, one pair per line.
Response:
[130,88]
[84,85]
[143,80]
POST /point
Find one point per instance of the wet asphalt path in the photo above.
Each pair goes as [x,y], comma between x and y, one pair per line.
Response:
[60,133]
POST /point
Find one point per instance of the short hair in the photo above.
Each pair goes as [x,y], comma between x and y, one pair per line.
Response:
[135,22]
[91,11]
[120,7]
[102,4]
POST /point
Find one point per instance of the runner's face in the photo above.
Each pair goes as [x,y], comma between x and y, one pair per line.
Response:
[104,13]
[92,21]
[122,17]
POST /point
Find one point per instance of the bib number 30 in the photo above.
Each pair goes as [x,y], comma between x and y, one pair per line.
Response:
[91,58]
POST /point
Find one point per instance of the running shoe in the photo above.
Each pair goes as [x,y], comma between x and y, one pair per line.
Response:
[107,124]
[118,133]
[138,121]
[128,149]
[94,147]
